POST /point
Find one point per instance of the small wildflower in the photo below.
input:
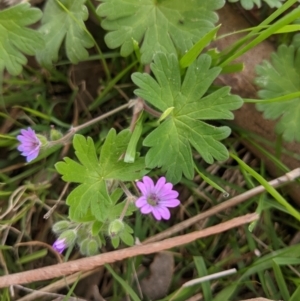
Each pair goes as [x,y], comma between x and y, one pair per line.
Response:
[65,240]
[156,199]
[30,144]
[59,245]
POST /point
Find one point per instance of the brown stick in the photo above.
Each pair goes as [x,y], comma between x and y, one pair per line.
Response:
[89,263]
[288,177]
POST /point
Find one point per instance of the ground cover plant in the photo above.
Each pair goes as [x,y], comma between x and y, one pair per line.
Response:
[124,175]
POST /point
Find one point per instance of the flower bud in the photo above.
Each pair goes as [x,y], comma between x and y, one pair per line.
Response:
[83,245]
[59,245]
[92,248]
[69,237]
[115,228]
[60,227]
[55,134]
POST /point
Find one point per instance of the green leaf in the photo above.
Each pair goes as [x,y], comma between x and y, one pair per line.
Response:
[171,141]
[160,25]
[63,20]
[112,165]
[249,4]
[16,38]
[91,196]
[97,226]
[127,238]
[115,241]
[281,77]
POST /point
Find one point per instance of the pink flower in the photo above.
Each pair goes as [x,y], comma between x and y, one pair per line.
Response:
[59,245]
[156,199]
[30,144]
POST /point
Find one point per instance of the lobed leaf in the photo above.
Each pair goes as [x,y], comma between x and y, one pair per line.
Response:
[278,78]
[249,4]
[170,143]
[160,25]
[92,173]
[16,38]
[64,20]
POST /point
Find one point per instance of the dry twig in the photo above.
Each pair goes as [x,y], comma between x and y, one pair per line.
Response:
[89,263]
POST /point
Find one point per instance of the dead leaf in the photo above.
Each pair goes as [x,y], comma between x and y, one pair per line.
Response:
[156,286]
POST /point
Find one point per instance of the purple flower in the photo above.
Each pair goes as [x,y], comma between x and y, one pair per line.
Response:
[30,144]
[59,245]
[156,199]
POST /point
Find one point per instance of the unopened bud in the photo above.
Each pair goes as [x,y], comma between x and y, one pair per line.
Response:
[60,227]
[69,237]
[115,228]
[55,134]
[92,248]
[83,246]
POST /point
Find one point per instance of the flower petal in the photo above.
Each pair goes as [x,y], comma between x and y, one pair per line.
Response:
[31,156]
[149,185]
[59,245]
[156,213]
[167,188]
[142,188]
[170,203]
[141,201]
[171,195]
[29,144]
[160,185]
[146,209]
[164,212]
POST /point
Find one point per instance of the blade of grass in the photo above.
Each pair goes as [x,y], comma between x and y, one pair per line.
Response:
[211,182]
[271,190]
[71,290]
[283,98]
[280,281]
[271,287]
[202,271]
[123,283]
[296,295]
[289,18]
[226,293]
[33,256]
[231,50]
[194,52]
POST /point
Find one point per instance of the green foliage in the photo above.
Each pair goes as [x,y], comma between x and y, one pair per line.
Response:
[63,19]
[171,141]
[91,198]
[161,26]
[16,38]
[249,4]
[281,77]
